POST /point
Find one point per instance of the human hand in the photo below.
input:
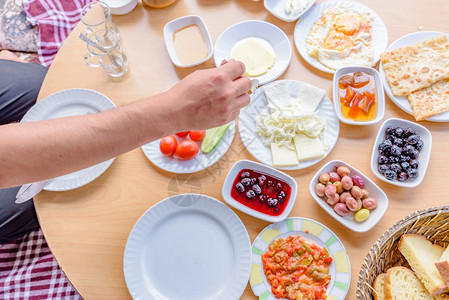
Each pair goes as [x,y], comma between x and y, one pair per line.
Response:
[210,98]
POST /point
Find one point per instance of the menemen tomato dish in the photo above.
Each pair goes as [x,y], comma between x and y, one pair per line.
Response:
[297,269]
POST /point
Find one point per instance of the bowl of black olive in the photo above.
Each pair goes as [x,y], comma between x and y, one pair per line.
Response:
[401,152]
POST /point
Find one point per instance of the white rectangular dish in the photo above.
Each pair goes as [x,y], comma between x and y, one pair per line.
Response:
[423,158]
[174,25]
[260,168]
[380,97]
[349,221]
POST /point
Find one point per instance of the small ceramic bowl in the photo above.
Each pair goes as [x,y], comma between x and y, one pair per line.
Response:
[121,7]
[423,157]
[380,97]
[277,9]
[228,185]
[349,221]
[174,25]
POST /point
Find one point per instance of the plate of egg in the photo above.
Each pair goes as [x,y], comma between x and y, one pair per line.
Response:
[335,34]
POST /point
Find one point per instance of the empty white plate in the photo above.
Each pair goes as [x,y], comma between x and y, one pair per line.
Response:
[189,247]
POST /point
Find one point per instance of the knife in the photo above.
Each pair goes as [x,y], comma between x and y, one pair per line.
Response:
[28,191]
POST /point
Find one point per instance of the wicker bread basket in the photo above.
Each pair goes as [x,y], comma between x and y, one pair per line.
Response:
[433,223]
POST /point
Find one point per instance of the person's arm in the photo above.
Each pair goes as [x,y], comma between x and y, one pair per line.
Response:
[35,151]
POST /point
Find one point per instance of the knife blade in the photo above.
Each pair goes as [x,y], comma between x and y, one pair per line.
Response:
[28,191]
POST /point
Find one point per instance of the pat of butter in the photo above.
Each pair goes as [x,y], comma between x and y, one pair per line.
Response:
[283,156]
[308,148]
[256,54]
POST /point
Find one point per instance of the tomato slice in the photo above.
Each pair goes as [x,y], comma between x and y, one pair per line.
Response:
[168,145]
[182,134]
[187,149]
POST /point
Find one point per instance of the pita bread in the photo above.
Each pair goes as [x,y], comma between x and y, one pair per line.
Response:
[416,66]
[430,101]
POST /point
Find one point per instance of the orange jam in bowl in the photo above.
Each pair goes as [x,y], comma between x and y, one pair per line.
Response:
[358,99]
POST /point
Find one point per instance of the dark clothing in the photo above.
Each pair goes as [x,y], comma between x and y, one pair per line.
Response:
[19,87]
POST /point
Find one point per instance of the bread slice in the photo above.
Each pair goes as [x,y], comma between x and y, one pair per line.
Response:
[422,255]
[443,266]
[379,287]
[401,283]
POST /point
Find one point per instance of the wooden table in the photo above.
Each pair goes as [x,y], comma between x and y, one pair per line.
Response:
[87,228]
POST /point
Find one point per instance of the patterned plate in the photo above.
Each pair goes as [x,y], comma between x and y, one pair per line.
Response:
[312,231]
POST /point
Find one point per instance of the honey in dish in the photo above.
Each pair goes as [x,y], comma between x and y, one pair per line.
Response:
[190,44]
[357,93]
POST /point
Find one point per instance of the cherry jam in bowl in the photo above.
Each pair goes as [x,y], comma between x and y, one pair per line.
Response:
[260,191]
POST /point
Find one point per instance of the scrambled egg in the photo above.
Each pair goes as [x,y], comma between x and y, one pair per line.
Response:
[342,37]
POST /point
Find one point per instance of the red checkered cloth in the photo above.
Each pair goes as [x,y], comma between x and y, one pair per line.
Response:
[28,270]
[56,19]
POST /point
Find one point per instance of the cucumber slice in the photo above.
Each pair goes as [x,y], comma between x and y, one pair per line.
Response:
[213,137]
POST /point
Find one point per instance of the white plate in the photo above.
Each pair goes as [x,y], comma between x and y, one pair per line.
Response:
[402,102]
[198,163]
[302,28]
[254,143]
[259,29]
[189,247]
[349,221]
[311,231]
[72,102]
[277,9]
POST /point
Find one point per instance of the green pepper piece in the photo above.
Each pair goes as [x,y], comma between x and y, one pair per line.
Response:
[306,247]
[307,261]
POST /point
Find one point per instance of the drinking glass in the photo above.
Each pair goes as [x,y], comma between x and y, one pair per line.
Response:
[105,51]
[97,15]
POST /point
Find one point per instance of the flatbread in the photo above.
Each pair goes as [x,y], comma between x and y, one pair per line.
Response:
[430,101]
[416,66]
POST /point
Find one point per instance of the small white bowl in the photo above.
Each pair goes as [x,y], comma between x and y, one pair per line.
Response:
[258,29]
[174,25]
[423,157]
[247,164]
[349,221]
[379,94]
[277,9]
[121,7]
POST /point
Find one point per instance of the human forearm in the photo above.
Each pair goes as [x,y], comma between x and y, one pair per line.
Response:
[39,150]
[36,151]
